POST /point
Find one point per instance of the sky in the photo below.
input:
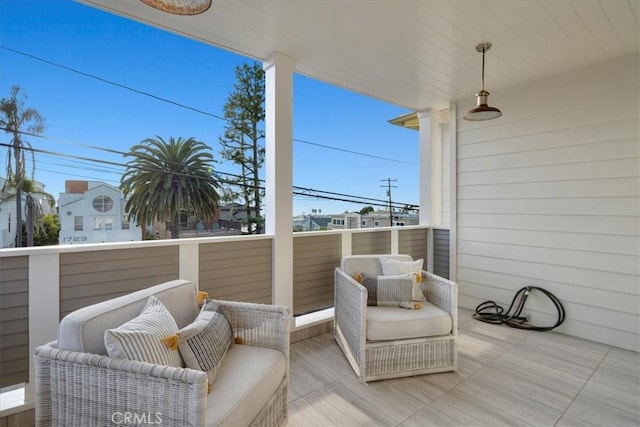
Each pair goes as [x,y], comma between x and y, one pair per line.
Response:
[83,112]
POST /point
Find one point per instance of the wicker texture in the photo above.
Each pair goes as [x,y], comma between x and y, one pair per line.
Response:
[82,389]
[399,358]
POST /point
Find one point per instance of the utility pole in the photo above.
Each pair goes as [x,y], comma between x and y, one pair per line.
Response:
[389,187]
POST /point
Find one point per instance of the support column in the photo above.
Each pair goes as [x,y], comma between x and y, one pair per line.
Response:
[44,309]
[430,154]
[279,172]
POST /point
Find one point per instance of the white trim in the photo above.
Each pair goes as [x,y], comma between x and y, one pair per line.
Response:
[279,71]
[453,191]
[44,308]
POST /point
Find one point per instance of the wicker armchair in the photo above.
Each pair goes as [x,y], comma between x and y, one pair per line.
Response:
[382,359]
[83,388]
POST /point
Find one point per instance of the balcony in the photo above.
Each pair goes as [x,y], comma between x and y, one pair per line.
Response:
[506,376]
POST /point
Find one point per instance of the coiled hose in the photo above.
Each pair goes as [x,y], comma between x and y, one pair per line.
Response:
[491,312]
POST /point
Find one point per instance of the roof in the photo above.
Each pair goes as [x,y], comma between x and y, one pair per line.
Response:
[416,54]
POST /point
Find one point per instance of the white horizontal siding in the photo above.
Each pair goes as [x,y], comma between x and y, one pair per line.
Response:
[548,195]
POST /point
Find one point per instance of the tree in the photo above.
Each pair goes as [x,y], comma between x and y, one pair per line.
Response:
[17,119]
[49,232]
[241,141]
[33,206]
[45,235]
[165,178]
[366,210]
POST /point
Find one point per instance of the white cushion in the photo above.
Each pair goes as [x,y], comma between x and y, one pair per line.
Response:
[247,379]
[141,338]
[393,267]
[367,264]
[392,323]
[204,343]
[83,329]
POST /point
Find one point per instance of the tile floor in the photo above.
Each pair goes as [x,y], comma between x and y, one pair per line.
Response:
[505,377]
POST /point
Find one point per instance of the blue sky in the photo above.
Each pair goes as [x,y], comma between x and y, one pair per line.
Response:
[82,111]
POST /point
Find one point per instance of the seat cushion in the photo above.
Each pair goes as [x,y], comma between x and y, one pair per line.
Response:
[246,380]
[392,323]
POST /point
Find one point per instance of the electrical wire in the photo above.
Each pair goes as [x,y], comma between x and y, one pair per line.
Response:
[180,105]
[491,312]
[298,191]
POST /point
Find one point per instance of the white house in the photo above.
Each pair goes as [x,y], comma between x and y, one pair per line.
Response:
[94,212]
[8,215]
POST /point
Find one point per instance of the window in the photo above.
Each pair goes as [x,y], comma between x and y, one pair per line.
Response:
[336,221]
[97,223]
[103,203]
[103,222]
[125,222]
[77,223]
[399,223]
[376,223]
[363,222]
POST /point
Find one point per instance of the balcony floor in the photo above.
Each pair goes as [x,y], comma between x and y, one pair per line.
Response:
[505,377]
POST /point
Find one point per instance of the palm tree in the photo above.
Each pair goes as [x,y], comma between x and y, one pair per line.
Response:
[17,119]
[33,197]
[165,178]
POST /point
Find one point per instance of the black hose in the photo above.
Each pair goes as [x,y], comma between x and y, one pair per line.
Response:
[491,312]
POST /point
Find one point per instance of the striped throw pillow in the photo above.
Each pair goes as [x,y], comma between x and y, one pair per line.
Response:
[397,291]
[204,343]
[141,338]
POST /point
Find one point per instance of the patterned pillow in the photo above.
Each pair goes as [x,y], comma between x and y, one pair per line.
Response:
[142,337]
[396,291]
[392,267]
[205,342]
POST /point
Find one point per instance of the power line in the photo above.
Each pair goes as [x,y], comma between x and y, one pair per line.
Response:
[300,191]
[178,104]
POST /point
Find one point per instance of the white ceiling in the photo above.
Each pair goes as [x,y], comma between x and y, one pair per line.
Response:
[416,54]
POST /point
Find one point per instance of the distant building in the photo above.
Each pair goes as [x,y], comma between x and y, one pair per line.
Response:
[311,222]
[94,212]
[375,219]
[8,214]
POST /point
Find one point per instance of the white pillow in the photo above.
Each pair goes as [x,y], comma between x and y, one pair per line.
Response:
[141,338]
[392,267]
[205,342]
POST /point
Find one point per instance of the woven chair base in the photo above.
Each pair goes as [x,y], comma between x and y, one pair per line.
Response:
[396,359]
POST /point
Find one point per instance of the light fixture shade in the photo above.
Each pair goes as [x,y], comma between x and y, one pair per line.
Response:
[482,111]
[180,7]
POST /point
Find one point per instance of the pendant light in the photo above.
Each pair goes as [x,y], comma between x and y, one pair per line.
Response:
[482,111]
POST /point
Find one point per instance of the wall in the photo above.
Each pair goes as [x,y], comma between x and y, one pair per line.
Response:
[548,196]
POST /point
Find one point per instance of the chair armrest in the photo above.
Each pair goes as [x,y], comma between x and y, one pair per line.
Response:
[74,388]
[442,293]
[350,314]
[260,325]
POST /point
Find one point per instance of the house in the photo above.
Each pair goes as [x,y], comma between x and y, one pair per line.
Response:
[94,212]
[374,219]
[8,214]
[311,222]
